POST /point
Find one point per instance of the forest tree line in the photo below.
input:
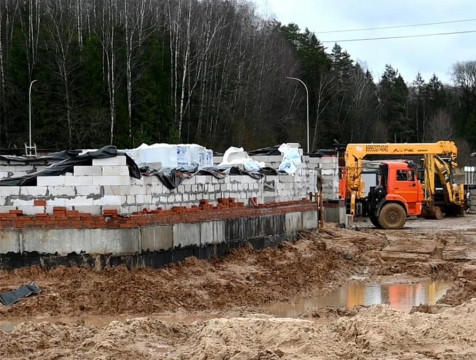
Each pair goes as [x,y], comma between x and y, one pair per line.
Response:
[211,72]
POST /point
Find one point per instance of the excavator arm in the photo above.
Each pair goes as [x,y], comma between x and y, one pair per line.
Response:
[454,193]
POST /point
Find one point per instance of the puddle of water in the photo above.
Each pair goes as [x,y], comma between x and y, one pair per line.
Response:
[400,297]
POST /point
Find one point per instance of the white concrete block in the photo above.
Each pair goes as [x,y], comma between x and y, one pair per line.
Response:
[32,210]
[78,201]
[108,200]
[18,168]
[10,191]
[191,180]
[133,190]
[149,180]
[50,180]
[79,181]
[88,190]
[33,190]
[141,182]
[149,190]
[80,170]
[20,202]
[56,202]
[111,180]
[62,191]
[111,170]
[117,160]
[94,210]
[144,199]
[129,209]
[5,209]
[113,189]
[202,179]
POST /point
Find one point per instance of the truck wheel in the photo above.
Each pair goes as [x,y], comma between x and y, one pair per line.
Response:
[392,216]
[374,221]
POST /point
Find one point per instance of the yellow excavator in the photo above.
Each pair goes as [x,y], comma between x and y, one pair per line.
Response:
[433,163]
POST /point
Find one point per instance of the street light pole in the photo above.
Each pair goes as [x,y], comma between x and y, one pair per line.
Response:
[307,107]
[29,113]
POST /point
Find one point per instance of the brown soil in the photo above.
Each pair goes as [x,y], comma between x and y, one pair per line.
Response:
[217,309]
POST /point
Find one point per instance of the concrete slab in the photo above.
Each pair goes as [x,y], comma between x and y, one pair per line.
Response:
[10,241]
[212,232]
[117,160]
[309,220]
[293,222]
[409,246]
[156,238]
[91,241]
[186,235]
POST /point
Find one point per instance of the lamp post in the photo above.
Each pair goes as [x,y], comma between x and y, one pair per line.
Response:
[307,107]
[29,114]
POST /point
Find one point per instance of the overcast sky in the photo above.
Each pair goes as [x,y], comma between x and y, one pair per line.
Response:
[427,55]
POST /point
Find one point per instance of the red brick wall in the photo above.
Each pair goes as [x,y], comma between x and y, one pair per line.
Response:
[110,219]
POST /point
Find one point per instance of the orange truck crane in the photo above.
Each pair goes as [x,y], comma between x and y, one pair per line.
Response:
[399,193]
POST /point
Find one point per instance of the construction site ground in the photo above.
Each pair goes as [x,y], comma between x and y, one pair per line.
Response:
[221,308]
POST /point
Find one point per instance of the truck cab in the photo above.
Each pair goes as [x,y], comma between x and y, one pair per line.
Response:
[398,194]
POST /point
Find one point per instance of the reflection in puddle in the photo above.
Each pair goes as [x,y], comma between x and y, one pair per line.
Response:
[400,297]
[355,293]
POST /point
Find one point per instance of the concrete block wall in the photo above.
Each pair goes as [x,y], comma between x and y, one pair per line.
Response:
[329,166]
[106,185]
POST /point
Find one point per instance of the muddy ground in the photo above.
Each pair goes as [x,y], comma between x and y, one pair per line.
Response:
[220,309]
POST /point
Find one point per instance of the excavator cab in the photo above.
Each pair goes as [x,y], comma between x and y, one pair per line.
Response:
[399,194]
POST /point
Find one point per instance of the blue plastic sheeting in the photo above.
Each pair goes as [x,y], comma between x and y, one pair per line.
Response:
[10,297]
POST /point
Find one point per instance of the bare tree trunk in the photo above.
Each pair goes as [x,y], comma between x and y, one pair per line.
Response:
[79,23]
[325,85]
[133,23]
[129,39]
[112,80]
[2,87]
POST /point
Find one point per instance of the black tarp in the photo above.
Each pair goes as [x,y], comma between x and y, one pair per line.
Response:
[10,297]
[68,160]
[172,178]
[267,151]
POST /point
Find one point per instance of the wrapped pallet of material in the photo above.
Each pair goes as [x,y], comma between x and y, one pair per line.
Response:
[172,155]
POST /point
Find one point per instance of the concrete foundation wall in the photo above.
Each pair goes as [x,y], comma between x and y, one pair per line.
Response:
[335,211]
[118,242]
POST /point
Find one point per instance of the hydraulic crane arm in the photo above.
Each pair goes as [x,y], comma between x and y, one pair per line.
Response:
[355,153]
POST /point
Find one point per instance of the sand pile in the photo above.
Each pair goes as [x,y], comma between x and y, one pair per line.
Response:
[374,333]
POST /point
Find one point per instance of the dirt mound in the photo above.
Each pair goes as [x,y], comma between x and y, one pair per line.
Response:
[245,278]
[466,286]
[374,333]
